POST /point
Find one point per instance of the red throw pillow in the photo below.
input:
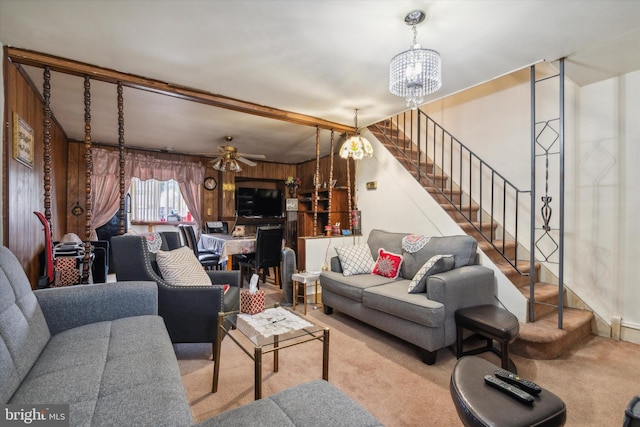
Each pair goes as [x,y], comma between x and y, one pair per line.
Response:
[388,264]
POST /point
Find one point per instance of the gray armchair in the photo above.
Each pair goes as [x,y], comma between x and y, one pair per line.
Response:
[190,312]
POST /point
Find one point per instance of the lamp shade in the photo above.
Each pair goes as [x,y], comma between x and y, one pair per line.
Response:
[415,73]
[356,147]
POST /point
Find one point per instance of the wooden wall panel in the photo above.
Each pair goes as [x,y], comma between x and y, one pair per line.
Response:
[307,169]
[24,186]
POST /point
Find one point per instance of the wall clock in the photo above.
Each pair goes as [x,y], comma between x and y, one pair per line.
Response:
[210,183]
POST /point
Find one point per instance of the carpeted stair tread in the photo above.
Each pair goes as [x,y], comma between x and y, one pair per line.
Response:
[543,292]
[543,340]
[507,247]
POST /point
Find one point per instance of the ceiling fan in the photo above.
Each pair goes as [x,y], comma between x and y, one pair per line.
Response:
[229,157]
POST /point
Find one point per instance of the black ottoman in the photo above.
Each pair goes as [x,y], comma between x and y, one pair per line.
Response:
[478,404]
[492,323]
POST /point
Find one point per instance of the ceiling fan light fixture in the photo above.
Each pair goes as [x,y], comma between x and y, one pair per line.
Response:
[219,165]
[417,72]
[234,166]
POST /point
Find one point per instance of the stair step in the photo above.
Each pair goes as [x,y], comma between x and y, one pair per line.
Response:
[506,248]
[545,297]
[471,211]
[454,195]
[543,340]
[519,280]
[470,228]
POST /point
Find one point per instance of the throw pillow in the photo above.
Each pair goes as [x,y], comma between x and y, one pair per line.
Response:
[436,264]
[355,259]
[388,264]
[463,249]
[154,241]
[180,267]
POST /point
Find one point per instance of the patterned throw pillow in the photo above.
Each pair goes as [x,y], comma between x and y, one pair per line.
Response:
[436,264]
[154,241]
[180,267]
[355,259]
[388,264]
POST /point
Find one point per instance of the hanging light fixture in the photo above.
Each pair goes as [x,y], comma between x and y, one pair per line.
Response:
[356,146]
[416,72]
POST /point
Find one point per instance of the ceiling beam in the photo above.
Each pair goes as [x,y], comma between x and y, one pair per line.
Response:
[68,66]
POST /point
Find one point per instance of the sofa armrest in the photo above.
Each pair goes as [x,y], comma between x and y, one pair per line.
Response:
[73,306]
[462,287]
[231,278]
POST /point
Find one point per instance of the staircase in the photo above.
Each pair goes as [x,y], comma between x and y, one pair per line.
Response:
[540,339]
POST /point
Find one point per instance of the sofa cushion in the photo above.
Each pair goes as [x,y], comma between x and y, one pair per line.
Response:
[355,259]
[350,286]
[293,407]
[23,330]
[436,264]
[388,264]
[180,267]
[392,298]
[463,248]
[392,242]
[122,372]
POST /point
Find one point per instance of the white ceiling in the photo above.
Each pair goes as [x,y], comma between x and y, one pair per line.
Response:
[322,58]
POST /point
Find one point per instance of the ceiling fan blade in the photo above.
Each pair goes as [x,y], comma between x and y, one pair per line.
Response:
[253,156]
[209,155]
[246,161]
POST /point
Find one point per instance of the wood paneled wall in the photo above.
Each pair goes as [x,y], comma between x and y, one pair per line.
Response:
[218,204]
[23,191]
[307,169]
[264,170]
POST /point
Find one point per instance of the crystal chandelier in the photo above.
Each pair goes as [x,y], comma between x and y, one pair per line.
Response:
[417,72]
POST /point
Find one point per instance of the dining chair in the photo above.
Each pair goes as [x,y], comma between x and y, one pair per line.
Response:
[209,260]
[268,254]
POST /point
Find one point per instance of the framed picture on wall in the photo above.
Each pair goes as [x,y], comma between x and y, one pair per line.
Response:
[22,141]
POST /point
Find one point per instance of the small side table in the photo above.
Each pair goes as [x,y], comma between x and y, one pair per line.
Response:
[304,279]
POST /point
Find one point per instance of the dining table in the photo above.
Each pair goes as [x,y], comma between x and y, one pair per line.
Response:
[227,245]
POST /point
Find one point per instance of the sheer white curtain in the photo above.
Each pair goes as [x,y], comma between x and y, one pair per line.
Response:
[105,186]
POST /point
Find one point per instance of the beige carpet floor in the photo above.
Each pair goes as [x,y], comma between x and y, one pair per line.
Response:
[596,380]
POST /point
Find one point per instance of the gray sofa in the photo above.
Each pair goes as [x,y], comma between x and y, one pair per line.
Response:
[425,319]
[104,351]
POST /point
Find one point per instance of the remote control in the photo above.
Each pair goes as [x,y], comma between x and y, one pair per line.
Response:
[507,388]
[526,385]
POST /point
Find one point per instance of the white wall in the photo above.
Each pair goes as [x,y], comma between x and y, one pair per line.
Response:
[605,200]
[601,170]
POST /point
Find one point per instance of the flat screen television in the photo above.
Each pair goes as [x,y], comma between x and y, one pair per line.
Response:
[259,202]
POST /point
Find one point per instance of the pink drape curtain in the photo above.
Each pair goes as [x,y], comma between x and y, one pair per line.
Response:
[106,184]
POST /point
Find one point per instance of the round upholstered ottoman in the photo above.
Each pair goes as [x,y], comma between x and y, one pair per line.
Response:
[478,404]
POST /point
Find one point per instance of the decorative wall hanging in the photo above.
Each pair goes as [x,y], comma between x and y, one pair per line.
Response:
[22,141]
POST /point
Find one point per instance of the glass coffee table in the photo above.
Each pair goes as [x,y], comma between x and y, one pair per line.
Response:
[273,330]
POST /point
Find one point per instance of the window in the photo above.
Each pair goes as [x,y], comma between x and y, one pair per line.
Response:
[154,200]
